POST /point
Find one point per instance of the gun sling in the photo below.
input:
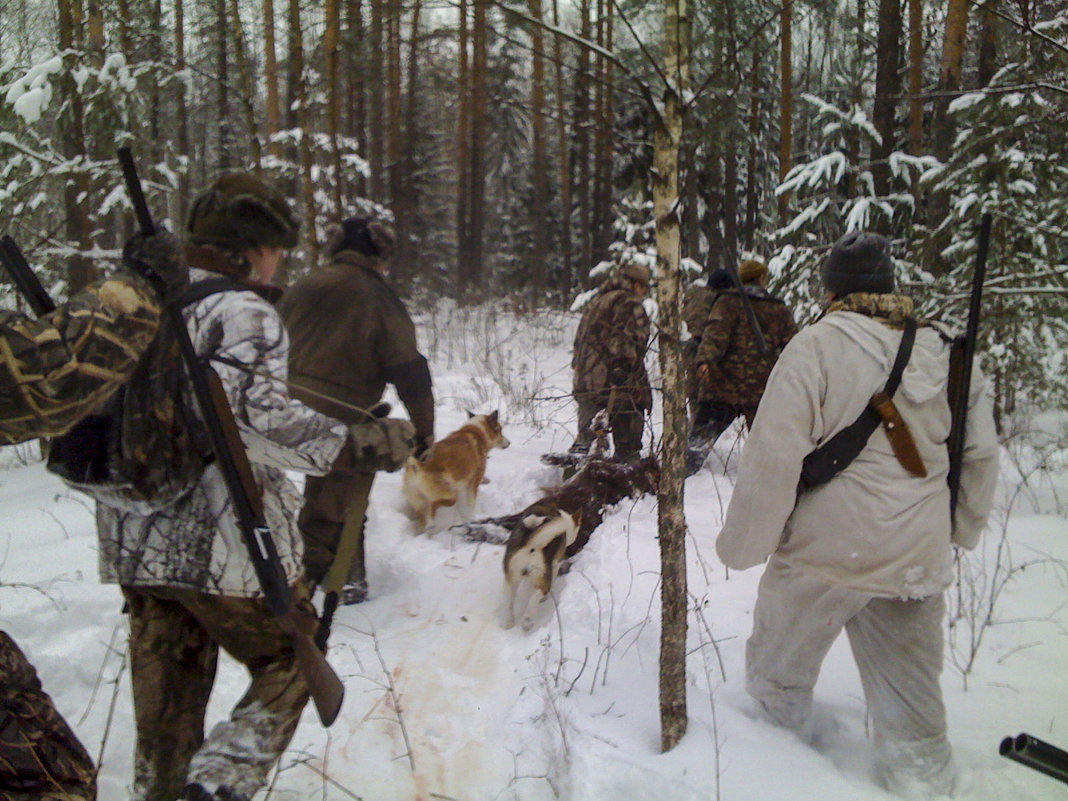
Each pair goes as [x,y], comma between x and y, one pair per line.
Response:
[836,454]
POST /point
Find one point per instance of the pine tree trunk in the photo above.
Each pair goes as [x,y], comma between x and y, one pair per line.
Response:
[182,111]
[331,56]
[582,147]
[463,158]
[270,74]
[539,211]
[222,83]
[410,203]
[752,196]
[566,277]
[80,270]
[479,78]
[355,62]
[671,523]
[786,94]
[247,100]
[916,91]
[887,90]
[376,126]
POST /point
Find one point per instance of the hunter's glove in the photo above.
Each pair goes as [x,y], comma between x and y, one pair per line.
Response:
[384,444]
[159,258]
[618,377]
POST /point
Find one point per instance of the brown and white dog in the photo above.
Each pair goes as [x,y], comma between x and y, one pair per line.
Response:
[450,472]
[558,525]
[532,557]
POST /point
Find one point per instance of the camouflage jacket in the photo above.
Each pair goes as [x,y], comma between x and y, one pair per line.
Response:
[613,336]
[351,335]
[697,303]
[738,371]
[196,542]
[57,369]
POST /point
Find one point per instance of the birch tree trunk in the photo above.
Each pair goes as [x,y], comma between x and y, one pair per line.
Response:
[671,522]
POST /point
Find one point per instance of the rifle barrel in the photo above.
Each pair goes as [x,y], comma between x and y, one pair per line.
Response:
[22,275]
[960,410]
[326,688]
[1037,755]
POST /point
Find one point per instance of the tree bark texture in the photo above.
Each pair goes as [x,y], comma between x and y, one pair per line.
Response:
[786,101]
[887,90]
[539,211]
[671,522]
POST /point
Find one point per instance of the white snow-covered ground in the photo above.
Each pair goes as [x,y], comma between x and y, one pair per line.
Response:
[443,703]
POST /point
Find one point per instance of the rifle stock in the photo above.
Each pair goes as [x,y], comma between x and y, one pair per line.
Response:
[325,687]
[22,275]
[961,359]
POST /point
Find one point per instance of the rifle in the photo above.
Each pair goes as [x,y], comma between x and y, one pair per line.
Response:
[761,343]
[326,688]
[1036,754]
[23,277]
[962,355]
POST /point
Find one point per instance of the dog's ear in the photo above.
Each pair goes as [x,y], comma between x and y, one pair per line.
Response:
[493,417]
[531,522]
[470,414]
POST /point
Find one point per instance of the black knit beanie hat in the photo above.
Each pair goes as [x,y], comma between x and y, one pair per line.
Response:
[859,262]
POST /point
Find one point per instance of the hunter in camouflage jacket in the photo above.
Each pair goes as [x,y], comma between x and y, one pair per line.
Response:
[53,372]
[610,346]
[738,371]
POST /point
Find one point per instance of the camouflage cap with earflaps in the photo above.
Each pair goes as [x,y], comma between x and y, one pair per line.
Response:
[239,211]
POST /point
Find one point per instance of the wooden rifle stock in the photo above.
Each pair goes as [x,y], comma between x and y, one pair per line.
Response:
[961,359]
[326,688]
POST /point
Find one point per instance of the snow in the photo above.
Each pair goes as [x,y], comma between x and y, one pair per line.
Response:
[442,702]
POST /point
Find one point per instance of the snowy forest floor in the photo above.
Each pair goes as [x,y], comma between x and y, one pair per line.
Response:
[444,703]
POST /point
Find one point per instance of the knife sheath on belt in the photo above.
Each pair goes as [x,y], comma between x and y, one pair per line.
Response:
[898,433]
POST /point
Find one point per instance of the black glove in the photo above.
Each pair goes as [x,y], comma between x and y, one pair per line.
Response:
[159,258]
[618,377]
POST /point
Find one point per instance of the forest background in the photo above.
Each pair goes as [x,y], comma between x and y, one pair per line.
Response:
[521,149]
[513,144]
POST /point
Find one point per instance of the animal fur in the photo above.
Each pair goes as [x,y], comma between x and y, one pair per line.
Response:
[543,526]
[450,472]
[533,555]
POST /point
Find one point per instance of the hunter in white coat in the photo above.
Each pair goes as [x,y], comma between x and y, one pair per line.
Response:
[870,550]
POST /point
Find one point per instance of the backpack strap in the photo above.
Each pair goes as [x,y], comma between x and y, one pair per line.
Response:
[198,290]
[837,453]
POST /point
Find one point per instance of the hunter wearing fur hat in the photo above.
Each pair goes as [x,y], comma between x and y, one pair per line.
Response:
[731,370]
[184,569]
[869,549]
[608,362]
[351,336]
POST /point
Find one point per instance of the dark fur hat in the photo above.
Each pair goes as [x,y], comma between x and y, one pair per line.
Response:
[238,212]
[859,262]
[363,235]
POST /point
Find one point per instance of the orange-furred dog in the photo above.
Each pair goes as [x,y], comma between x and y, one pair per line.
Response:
[450,472]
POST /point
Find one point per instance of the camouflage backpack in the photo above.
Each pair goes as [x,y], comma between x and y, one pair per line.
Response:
[145,449]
